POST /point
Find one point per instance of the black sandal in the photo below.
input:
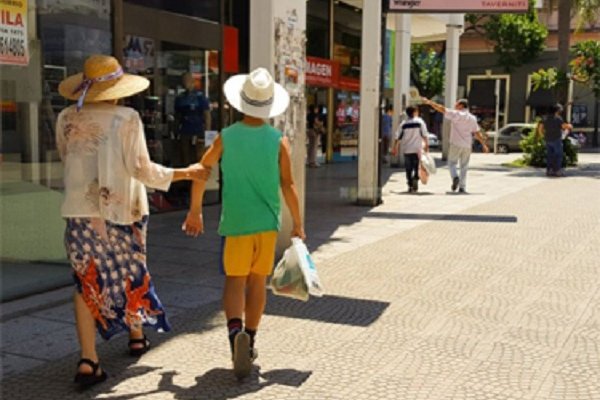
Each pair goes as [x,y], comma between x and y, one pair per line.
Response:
[88,380]
[137,352]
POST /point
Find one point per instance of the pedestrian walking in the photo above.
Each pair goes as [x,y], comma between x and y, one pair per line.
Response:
[387,128]
[463,126]
[256,164]
[552,127]
[411,137]
[106,165]
[314,129]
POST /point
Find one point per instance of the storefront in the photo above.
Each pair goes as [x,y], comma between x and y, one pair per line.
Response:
[44,41]
[322,75]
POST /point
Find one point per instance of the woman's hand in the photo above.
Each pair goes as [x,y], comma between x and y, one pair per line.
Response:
[193,224]
[197,172]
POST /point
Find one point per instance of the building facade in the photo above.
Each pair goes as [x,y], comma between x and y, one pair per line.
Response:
[49,40]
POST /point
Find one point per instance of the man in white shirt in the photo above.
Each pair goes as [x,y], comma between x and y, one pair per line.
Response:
[463,126]
[412,135]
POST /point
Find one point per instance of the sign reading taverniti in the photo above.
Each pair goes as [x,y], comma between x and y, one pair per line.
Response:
[457,6]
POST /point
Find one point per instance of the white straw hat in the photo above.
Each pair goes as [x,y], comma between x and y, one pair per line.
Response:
[256,94]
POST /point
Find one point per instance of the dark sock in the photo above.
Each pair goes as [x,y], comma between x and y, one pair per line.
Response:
[251,333]
[234,326]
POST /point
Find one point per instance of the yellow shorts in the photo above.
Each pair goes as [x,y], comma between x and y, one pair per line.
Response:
[243,255]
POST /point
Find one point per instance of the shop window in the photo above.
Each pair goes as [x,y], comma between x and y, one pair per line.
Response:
[209,10]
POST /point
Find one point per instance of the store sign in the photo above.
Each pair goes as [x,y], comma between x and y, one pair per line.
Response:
[13,32]
[349,84]
[321,72]
[458,6]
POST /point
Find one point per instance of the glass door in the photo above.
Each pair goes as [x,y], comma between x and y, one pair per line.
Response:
[179,110]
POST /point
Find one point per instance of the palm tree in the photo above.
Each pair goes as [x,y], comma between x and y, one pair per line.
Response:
[588,12]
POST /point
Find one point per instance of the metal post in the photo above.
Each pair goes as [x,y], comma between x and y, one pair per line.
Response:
[497,117]
[330,91]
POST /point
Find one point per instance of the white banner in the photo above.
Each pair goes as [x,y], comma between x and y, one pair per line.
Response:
[14,49]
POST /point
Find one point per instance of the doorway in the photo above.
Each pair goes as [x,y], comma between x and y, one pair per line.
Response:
[180,110]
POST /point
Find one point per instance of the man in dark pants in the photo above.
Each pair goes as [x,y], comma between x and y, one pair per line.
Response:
[411,135]
[553,126]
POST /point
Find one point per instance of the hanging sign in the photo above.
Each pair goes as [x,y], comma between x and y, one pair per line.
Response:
[13,32]
[322,72]
[458,6]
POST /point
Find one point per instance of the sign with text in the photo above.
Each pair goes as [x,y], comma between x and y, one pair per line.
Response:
[321,72]
[13,32]
[458,6]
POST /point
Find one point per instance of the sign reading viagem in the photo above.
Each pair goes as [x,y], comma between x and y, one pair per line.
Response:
[458,6]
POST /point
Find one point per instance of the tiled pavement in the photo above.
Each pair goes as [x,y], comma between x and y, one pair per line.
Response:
[495,295]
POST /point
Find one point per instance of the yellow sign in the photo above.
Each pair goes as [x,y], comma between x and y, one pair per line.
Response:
[13,32]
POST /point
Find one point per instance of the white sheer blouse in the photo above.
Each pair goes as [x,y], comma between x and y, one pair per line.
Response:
[106,163]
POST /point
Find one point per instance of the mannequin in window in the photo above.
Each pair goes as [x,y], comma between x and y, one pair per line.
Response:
[192,114]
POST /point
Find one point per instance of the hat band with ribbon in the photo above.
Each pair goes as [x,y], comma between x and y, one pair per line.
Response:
[254,102]
[87,83]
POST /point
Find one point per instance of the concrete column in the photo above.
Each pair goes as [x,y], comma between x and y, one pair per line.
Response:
[368,141]
[277,43]
[401,65]
[454,29]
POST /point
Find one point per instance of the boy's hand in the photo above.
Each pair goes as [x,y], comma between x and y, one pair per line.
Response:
[298,231]
[193,224]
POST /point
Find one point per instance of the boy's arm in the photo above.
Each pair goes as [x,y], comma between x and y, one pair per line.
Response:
[288,188]
[193,224]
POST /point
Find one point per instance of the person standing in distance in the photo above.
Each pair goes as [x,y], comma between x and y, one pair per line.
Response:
[552,127]
[463,126]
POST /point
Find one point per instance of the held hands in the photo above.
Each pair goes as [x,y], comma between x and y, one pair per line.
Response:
[193,224]
[197,172]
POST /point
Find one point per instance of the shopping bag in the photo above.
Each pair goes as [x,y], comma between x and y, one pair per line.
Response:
[295,275]
[428,163]
[423,175]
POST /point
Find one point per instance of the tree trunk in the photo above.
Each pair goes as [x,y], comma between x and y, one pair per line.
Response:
[596,118]
[564,43]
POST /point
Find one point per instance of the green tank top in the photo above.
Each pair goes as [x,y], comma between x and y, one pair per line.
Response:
[250,166]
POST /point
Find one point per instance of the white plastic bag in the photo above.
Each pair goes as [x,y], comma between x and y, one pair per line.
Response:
[428,163]
[295,275]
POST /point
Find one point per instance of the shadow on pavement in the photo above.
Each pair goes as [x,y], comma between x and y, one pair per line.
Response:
[446,217]
[220,384]
[331,309]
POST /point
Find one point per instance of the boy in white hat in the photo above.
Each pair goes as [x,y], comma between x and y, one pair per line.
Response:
[256,164]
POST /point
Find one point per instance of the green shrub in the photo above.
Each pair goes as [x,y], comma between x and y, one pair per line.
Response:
[534,151]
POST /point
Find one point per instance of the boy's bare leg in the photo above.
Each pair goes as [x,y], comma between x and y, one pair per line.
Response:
[234,296]
[256,298]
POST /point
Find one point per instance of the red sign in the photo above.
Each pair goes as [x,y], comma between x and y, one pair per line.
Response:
[349,84]
[322,72]
[458,6]
[230,50]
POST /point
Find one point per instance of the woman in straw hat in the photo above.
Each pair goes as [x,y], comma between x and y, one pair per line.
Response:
[106,169]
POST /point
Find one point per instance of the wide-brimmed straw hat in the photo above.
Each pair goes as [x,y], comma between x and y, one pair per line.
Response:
[102,79]
[256,94]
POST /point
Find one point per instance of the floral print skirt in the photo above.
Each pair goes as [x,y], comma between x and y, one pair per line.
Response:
[111,274]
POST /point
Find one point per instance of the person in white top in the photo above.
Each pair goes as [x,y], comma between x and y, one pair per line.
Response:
[411,136]
[106,169]
[463,126]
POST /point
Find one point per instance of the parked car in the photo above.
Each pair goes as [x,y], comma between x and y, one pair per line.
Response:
[509,137]
[434,142]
